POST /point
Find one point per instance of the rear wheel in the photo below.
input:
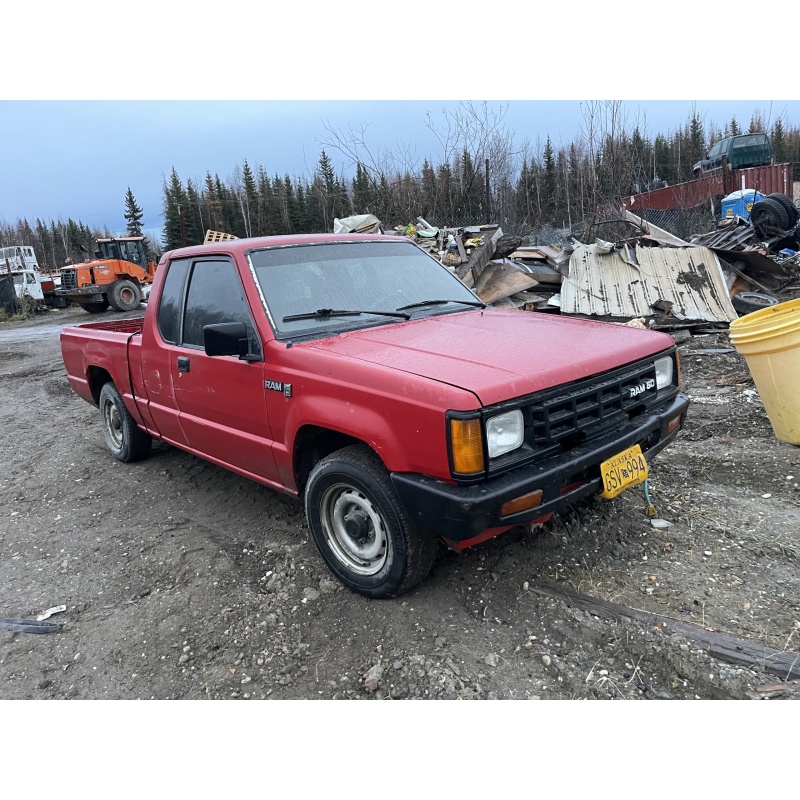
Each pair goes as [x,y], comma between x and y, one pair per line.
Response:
[361,529]
[124,438]
[788,205]
[124,295]
[769,217]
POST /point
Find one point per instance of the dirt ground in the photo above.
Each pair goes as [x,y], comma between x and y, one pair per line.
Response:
[182,580]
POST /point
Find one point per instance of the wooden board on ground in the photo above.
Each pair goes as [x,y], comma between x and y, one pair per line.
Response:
[723,646]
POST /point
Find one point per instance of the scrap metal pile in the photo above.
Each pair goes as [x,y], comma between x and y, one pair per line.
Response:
[628,271]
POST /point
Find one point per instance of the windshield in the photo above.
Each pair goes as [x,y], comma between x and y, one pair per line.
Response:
[754,140]
[380,276]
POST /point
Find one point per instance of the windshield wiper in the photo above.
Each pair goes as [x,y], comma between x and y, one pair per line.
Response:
[325,313]
[476,303]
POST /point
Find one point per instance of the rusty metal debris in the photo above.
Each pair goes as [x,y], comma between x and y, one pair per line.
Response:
[623,268]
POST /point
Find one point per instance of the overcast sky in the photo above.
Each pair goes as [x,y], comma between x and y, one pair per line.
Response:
[77,158]
[77,155]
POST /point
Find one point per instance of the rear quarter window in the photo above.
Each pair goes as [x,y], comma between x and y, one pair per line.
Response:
[169,306]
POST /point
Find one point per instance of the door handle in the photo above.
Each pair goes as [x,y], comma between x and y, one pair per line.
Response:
[183,363]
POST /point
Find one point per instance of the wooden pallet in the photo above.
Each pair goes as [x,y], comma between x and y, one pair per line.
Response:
[218,236]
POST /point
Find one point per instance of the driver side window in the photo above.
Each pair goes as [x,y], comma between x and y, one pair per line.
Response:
[215,295]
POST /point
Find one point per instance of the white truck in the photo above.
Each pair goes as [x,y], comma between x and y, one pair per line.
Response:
[20,262]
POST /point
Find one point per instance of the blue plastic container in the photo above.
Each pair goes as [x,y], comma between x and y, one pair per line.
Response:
[739,204]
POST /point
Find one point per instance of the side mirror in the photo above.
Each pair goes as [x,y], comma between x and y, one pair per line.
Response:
[227,339]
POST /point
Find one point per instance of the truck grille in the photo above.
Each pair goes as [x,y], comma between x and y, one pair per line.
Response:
[562,418]
[69,279]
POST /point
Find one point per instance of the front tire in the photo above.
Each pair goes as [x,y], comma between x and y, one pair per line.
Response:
[124,438]
[360,528]
[124,295]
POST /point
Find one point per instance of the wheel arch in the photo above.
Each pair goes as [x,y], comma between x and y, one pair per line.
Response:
[96,378]
[312,443]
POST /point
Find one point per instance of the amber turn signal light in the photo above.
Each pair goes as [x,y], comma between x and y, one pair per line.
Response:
[530,500]
[466,439]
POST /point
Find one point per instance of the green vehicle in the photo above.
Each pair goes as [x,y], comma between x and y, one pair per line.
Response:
[745,150]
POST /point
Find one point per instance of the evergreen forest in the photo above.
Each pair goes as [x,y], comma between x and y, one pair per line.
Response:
[484,173]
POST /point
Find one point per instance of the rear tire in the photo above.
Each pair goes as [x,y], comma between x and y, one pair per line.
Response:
[124,295]
[769,218]
[124,438]
[360,527]
[788,205]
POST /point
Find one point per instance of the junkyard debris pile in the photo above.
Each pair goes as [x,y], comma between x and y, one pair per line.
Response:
[641,272]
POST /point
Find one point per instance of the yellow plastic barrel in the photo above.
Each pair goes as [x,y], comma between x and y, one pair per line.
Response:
[769,340]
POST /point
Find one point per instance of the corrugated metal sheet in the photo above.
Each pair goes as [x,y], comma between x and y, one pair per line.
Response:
[607,285]
[730,237]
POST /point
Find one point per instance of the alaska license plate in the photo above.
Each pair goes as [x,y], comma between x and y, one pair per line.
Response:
[624,470]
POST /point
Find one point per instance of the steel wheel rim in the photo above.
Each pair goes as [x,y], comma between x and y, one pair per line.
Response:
[127,295]
[112,422]
[366,555]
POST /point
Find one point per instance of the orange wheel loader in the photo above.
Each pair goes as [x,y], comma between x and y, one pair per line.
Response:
[115,277]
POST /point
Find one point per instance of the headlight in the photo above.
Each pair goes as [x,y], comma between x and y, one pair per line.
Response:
[663,372]
[504,433]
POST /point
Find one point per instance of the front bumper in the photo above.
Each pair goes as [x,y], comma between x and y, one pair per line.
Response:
[89,294]
[459,513]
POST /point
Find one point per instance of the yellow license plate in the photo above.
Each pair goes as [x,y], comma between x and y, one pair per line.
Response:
[624,470]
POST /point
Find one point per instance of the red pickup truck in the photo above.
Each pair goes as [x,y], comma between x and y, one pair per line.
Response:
[357,373]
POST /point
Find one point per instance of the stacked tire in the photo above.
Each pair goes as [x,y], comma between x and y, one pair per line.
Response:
[774,214]
[788,205]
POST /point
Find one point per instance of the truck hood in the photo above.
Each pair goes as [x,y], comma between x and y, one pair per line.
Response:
[499,354]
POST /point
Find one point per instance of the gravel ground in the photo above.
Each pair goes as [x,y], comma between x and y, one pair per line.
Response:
[184,581]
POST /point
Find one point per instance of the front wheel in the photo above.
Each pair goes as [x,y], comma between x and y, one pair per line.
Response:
[361,529]
[124,438]
[124,295]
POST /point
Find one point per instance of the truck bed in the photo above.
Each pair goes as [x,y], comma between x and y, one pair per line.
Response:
[119,325]
[102,346]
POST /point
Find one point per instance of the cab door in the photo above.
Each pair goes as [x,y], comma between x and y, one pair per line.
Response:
[222,399]
[158,357]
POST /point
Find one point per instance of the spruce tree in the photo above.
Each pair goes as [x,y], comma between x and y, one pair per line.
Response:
[428,197]
[549,182]
[249,199]
[523,195]
[174,205]
[193,216]
[265,198]
[362,190]
[213,204]
[294,214]
[315,202]
[779,142]
[133,215]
